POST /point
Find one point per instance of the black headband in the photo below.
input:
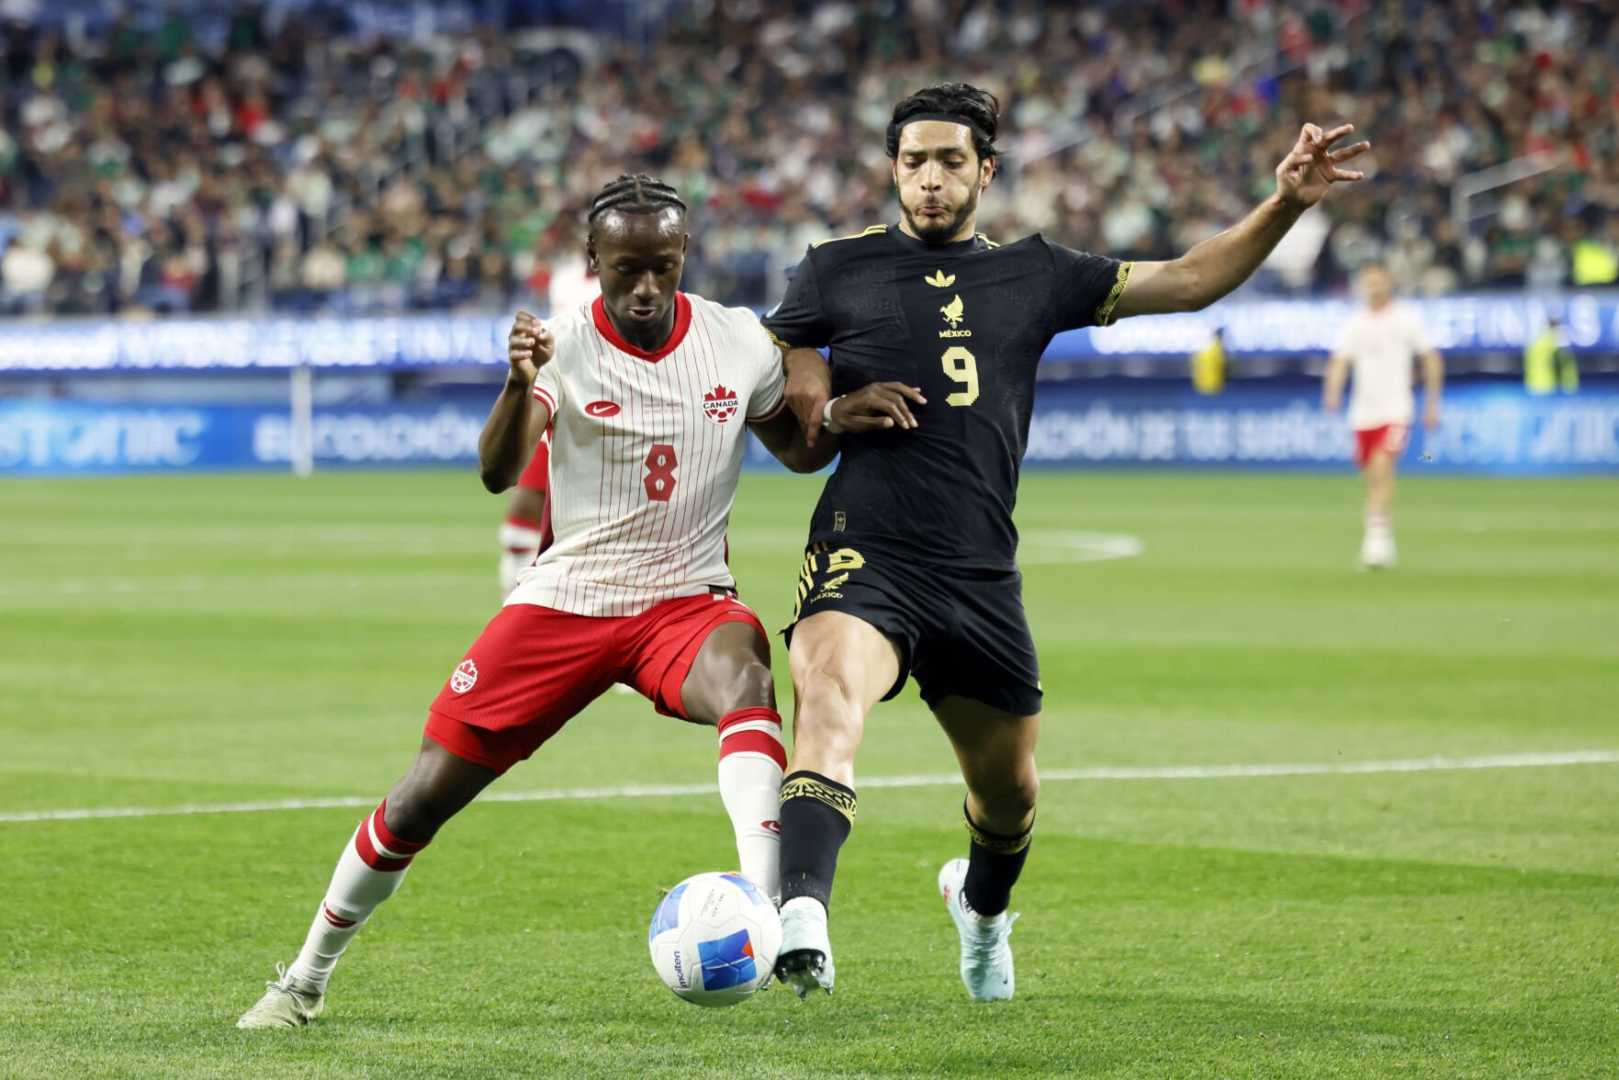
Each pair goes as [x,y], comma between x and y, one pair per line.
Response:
[948,117]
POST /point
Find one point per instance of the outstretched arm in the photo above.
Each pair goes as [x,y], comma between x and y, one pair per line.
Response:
[1219,264]
[873,407]
[517,420]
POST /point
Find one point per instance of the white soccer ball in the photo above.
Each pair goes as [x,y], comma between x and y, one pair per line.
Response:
[714,939]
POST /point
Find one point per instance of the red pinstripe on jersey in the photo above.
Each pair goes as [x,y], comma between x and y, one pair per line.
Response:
[616,551]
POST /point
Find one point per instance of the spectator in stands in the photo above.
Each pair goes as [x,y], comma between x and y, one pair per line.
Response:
[332,129]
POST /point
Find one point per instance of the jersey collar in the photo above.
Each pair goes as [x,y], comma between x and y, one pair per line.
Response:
[956,247]
[604,326]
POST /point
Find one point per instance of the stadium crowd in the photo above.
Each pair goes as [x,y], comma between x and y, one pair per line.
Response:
[290,156]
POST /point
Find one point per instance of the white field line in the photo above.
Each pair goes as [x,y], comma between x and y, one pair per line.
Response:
[647,791]
[1039,547]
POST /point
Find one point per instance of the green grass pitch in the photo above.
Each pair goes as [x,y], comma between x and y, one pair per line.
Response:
[222,639]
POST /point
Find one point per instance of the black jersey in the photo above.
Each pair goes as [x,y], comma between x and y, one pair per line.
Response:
[966,322]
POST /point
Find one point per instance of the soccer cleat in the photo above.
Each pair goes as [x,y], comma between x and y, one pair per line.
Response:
[1377,551]
[284,1004]
[805,960]
[986,955]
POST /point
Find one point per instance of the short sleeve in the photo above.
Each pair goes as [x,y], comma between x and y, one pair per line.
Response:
[1416,335]
[548,386]
[1087,286]
[769,394]
[1345,346]
[800,321]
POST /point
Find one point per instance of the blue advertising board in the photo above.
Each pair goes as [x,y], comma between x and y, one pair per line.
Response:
[1486,429]
[1455,324]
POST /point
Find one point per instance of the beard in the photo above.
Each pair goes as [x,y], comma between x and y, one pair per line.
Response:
[937,231]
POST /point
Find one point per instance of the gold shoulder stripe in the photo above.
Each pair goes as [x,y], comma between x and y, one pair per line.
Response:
[780,344]
[1104,310]
[869,230]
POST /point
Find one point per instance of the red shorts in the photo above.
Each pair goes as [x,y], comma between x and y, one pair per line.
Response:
[1390,438]
[535,668]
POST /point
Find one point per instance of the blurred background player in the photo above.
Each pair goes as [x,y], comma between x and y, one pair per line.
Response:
[523,535]
[1549,365]
[570,282]
[1376,354]
[911,567]
[1208,365]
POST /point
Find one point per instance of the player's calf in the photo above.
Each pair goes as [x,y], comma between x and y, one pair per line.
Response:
[370,870]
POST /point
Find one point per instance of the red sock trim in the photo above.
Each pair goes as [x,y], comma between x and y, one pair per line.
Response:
[523,522]
[370,856]
[757,712]
[388,839]
[336,920]
[756,742]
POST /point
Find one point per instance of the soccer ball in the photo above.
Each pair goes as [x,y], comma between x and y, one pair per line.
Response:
[714,939]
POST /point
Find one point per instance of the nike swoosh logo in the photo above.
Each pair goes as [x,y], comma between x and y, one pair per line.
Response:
[602,409]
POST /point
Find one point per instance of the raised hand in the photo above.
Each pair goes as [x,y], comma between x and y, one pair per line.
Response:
[529,346]
[1311,166]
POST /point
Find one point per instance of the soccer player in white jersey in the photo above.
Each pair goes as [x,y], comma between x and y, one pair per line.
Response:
[1376,354]
[647,393]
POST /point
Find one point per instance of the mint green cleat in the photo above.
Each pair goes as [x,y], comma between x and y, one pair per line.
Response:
[986,955]
[805,959]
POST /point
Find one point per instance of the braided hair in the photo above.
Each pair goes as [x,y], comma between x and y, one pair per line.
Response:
[637,194]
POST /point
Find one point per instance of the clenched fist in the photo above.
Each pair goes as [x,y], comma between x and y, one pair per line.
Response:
[529,347]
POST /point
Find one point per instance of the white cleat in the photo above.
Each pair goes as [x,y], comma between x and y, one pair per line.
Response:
[805,960]
[986,955]
[1377,552]
[285,1004]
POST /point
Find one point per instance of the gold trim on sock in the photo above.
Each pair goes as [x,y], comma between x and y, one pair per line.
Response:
[807,787]
[1000,845]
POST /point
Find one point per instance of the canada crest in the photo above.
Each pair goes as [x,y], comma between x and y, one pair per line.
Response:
[464,676]
[720,404]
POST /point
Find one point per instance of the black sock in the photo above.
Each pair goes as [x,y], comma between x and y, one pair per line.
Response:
[993,868]
[816,816]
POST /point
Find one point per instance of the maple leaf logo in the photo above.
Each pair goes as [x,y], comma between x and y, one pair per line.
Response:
[720,404]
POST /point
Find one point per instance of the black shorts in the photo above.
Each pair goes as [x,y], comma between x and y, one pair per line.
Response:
[958,631]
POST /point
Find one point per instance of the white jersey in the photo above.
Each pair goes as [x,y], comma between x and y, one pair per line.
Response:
[1382,347]
[646,448]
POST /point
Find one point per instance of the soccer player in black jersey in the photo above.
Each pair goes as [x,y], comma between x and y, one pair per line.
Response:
[911,566]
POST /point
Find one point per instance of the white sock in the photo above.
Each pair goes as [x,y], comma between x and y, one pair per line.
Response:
[752,760]
[519,543]
[371,869]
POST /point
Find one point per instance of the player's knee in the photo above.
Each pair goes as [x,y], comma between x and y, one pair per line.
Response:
[1009,796]
[415,813]
[432,793]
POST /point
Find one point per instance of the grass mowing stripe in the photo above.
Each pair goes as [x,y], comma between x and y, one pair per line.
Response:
[1533,760]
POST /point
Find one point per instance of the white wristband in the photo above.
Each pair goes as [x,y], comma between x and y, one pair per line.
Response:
[826,417]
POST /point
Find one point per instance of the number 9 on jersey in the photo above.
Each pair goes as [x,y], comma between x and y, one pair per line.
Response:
[961,366]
